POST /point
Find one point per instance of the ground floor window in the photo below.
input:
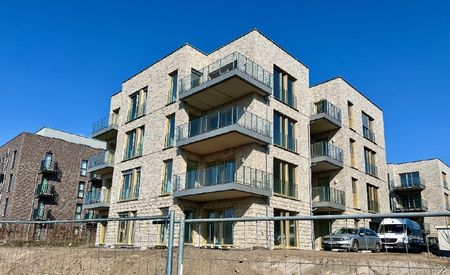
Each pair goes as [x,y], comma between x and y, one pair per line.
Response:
[164,227]
[285,231]
[188,214]
[219,233]
[125,234]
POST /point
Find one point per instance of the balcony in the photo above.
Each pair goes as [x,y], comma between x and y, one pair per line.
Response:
[325,117]
[410,205]
[49,167]
[368,134]
[326,157]
[228,128]
[46,191]
[106,128]
[417,185]
[95,178]
[225,80]
[327,199]
[102,163]
[222,182]
[39,214]
[98,199]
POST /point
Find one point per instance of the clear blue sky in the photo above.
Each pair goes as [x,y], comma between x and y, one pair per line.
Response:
[61,62]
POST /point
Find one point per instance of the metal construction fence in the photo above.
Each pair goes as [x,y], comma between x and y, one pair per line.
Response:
[222,244]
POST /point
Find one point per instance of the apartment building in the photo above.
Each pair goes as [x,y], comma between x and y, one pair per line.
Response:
[43,175]
[419,186]
[226,134]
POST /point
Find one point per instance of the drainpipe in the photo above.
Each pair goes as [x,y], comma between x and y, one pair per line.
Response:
[267,158]
[310,187]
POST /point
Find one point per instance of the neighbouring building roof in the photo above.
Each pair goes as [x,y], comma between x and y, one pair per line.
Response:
[69,137]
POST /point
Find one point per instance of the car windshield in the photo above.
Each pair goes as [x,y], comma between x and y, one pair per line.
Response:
[345,231]
[391,228]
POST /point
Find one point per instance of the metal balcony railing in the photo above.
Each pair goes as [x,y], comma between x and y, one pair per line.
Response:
[418,183]
[328,194]
[46,190]
[234,61]
[106,157]
[410,204]
[325,107]
[368,134]
[137,112]
[98,196]
[108,121]
[226,117]
[322,149]
[223,174]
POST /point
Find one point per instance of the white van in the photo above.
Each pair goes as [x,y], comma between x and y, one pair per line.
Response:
[400,234]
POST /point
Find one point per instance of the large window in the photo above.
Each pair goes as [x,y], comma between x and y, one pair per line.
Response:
[444,180]
[284,132]
[283,87]
[164,227]
[10,183]
[219,233]
[170,131]
[138,103]
[447,202]
[130,185]
[173,87]
[350,107]
[372,198]
[352,153]
[78,209]
[134,143]
[83,168]
[284,182]
[167,176]
[355,193]
[370,164]
[5,209]
[125,232]
[188,214]
[367,124]
[13,162]
[285,231]
[81,186]
[410,179]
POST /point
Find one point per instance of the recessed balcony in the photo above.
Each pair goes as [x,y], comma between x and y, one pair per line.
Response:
[106,128]
[97,199]
[327,199]
[225,80]
[418,184]
[326,157]
[102,163]
[325,117]
[228,128]
[222,182]
[410,205]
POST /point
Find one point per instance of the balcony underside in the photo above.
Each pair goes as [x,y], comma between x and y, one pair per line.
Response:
[326,206]
[221,139]
[106,134]
[222,89]
[97,206]
[324,163]
[321,123]
[102,169]
[408,189]
[221,192]
[418,209]
[46,196]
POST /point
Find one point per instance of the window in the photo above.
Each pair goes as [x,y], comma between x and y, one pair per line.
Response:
[164,227]
[81,189]
[5,209]
[444,180]
[170,131]
[188,214]
[13,162]
[283,87]
[10,184]
[284,182]
[355,193]
[351,124]
[83,168]
[284,131]
[372,198]
[125,232]
[138,103]
[134,143]
[367,124]
[447,202]
[78,210]
[173,87]
[352,153]
[2,177]
[167,176]
[285,231]
[130,185]
[369,160]
[219,233]
[40,210]
[410,179]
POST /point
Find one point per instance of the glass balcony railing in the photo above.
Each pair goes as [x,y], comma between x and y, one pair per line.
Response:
[49,166]
[223,174]
[325,107]
[417,183]
[368,134]
[39,214]
[285,141]
[137,112]
[98,196]
[234,61]
[325,149]
[417,204]
[226,117]
[328,194]
[46,190]
[104,158]
[104,123]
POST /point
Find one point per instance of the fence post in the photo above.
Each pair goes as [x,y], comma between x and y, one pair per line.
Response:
[180,246]
[170,243]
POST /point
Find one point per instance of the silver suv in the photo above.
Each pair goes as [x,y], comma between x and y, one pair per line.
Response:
[352,239]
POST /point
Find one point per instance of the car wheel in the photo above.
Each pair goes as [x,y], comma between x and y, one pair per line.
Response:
[355,246]
[327,248]
[377,248]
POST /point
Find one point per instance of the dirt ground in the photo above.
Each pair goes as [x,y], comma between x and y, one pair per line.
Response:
[70,260]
